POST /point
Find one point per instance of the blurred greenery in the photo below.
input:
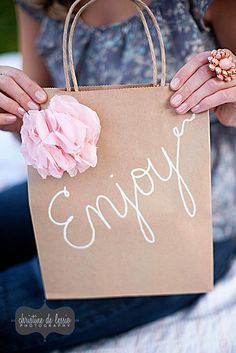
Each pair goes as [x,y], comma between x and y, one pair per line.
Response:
[8,33]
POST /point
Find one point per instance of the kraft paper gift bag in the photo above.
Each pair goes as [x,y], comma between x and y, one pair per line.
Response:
[139,223]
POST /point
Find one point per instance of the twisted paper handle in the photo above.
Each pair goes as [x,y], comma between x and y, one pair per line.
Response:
[70,67]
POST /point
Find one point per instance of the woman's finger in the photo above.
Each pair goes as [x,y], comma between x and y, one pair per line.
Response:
[189,69]
[29,86]
[7,119]
[207,89]
[14,91]
[10,106]
[218,98]
[191,85]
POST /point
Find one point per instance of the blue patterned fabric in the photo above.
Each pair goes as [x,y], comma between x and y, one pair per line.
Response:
[119,53]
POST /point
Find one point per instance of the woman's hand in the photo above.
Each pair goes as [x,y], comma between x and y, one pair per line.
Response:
[198,89]
[18,94]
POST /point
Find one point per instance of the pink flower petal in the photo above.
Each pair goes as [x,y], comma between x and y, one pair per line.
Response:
[41,126]
[89,155]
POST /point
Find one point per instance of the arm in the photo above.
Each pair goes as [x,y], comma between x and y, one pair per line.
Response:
[19,91]
[33,65]
[221,16]
[197,88]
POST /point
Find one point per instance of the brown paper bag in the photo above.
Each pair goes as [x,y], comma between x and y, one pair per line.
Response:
[139,223]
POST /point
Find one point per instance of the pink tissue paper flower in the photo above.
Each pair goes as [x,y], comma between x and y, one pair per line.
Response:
[61,138]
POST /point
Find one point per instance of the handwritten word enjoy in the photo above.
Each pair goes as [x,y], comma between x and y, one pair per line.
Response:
[136,175]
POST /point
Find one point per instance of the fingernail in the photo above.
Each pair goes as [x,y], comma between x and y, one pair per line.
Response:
[176,100]
[33,106]
[182,108]
[40,96]
[10,118]
[175,83]
[195,109]
[21,111]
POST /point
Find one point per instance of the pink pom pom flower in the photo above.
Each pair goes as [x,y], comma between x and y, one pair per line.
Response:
[61,138]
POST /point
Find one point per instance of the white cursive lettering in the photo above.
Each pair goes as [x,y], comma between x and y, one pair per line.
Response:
[136,175]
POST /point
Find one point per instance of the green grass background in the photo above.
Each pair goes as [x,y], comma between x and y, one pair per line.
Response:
[8,33]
